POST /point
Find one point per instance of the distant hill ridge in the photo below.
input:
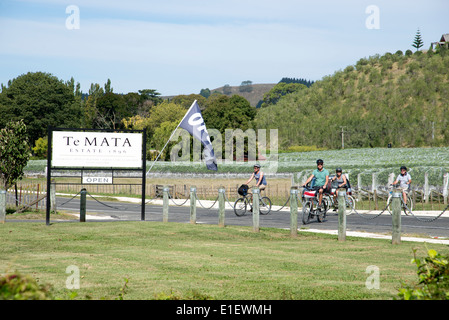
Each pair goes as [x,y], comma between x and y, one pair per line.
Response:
[254,93]
[254,97]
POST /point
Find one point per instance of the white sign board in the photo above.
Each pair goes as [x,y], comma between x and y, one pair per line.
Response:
[96,149]
[97,180]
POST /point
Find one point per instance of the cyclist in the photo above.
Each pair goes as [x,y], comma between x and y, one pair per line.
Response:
[404,179]
[339,181]
[322,179]
[261,182]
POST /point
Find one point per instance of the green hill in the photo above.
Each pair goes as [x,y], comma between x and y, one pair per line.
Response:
[253,93]
[394,98]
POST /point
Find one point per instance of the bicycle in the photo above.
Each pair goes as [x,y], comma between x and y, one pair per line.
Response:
[349,200]
[409,201]
[246,201]
[309,199]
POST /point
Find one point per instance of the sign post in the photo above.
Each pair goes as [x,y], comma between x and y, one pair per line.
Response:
[87,149]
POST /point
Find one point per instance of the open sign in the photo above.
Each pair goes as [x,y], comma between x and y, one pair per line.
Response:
[97,180]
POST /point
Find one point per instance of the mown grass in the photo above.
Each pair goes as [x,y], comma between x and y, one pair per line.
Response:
[183,261]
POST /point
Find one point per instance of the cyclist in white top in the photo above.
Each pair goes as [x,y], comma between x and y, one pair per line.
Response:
[404,180]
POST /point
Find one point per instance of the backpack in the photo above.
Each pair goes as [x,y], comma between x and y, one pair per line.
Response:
[243,190]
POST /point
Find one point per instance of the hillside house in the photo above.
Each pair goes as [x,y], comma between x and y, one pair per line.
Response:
[444,41]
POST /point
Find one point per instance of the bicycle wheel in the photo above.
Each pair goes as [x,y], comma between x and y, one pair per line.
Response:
[321,215]
[410,200]
[326,204]
[306,211]
[240,207]
[350,205]
[409,205]
[264,205]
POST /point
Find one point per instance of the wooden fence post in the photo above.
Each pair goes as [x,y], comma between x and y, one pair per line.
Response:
[374,190]
[445,186]
[359,187]
[37,197]
[165,204]
[192,204]
[396,217]
[341,193]
[2,206]
[221,207]
[256,199]
[294,212]
[426,187]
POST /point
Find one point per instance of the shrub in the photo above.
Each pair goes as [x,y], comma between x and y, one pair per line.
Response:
[433,275]
[40,150]
[15,286]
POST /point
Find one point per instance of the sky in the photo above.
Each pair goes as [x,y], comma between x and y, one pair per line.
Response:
[180,47]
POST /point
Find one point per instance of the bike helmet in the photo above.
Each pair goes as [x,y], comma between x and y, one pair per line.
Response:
[319,161]
[403,168]
[338,170]
[257,165]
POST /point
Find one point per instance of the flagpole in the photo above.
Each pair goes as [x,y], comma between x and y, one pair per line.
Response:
[171,136]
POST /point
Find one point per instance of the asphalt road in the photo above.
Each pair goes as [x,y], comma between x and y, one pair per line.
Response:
[123,211]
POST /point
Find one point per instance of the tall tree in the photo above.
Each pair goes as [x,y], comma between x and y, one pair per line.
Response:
[205,93]
[112,108]
[418,43]
[14,153]
[40,99]
[151,95]
[107,87]
[223,113]
[90,106]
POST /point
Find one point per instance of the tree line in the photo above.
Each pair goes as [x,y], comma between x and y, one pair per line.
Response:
[305,82]
[41,100]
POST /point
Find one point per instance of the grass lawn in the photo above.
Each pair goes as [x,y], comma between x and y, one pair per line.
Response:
[182,261]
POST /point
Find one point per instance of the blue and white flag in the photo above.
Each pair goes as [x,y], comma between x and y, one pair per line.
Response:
[193,122]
